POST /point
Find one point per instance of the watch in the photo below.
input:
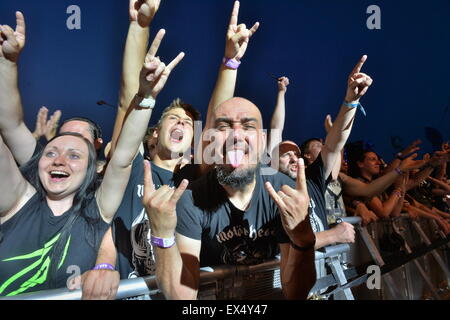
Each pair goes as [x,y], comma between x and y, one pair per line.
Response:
[162,242]
[400,156]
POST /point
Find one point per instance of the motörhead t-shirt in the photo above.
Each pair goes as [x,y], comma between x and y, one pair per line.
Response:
[230,235]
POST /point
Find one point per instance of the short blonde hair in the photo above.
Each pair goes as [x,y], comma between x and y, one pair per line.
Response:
[178,103]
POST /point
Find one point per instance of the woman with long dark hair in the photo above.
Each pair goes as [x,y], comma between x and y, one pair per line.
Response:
[52,214]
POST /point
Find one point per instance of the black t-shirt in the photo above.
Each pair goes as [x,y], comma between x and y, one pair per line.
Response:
[131,226]
[317,186]
[230,235]
[28,241]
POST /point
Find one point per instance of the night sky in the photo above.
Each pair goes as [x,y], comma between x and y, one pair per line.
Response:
[314,43]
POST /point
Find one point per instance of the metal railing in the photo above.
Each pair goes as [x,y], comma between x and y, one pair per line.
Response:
[263,280]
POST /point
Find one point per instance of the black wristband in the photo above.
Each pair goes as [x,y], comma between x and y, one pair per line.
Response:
[296,247]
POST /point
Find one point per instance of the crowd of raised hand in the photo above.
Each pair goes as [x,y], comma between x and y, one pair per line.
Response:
[161,206]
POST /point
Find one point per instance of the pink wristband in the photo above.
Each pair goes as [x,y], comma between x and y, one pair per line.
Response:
[231,63]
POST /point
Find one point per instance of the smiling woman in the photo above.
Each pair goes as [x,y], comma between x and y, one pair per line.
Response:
[53,211]
[66,166]
[61,201]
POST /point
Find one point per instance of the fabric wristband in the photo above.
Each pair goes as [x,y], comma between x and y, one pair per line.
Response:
[355,105]
[162,242]
[399,171]
[145,103]
[296,247]
[231,63]
[398,193]
[102,266]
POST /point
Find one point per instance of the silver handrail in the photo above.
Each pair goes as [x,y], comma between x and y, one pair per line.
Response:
[148,285]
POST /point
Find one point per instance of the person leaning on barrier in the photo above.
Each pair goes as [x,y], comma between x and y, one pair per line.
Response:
[234,214]
[351,187]
[174,135]
[52,214]
[417,192]
[19,139]
[321,159]
[365,166]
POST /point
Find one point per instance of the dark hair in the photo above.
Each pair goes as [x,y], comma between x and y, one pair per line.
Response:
[356,153]
[84,194]
[94,128]
[305,145]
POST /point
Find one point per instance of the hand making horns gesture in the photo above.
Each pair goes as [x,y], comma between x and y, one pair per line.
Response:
[154,73]
[238,36]
[161,204]
[293,205]
[12,41]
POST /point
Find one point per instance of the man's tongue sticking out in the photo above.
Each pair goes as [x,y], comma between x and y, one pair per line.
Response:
[234,157]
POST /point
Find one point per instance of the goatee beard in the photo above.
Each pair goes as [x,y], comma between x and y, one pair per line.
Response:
[236,179]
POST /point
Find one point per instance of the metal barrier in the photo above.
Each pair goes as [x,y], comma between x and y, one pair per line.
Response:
[263,281]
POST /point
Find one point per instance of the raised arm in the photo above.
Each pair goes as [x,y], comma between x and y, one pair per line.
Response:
[13,187]
[440,184]
[298,273]
[436,160]
[15,133]
[278,116]
[384,209]
[441,172]
[152,79]
[357,188]
[177,266]
[141,15]
[357,85]
[328,124]
[237,39]
[413,147]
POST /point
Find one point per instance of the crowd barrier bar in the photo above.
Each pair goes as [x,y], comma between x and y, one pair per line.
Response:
[339,278]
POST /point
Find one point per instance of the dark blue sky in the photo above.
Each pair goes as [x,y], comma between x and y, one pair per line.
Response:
[314,43]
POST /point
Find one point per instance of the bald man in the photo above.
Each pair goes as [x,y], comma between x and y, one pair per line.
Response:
[234,214]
